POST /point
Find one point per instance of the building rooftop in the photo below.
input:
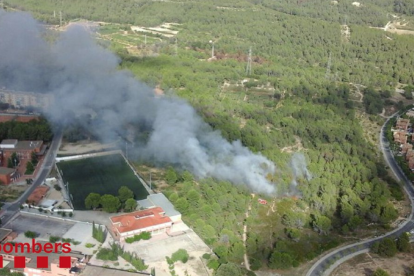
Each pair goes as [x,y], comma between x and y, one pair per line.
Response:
[140,219]
[6,171]
[28,145]
[162,201]
[13,144]
[9,142]
[145,203]
[6,117]
[402,123]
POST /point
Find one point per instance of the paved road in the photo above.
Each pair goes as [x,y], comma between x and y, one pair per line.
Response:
[329,262]
[47,165]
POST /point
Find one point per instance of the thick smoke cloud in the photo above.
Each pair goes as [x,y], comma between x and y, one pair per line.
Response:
[83,76]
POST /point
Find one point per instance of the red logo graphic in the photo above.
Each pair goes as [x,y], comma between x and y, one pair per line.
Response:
[42,261]
[38,248]
[19,261]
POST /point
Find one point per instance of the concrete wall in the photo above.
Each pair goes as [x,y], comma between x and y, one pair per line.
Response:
[82,156]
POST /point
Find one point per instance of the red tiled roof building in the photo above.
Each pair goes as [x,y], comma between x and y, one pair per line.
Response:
[400,136]
[151,220]
[406,147]
[402,124]
[410,153]
[411,163]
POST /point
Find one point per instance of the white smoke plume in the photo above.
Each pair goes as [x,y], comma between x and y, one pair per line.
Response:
[299,169]
[84,76]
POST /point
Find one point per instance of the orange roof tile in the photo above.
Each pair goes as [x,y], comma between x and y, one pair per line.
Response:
[140,220]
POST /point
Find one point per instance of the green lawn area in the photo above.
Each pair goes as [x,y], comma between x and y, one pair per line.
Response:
[102,175]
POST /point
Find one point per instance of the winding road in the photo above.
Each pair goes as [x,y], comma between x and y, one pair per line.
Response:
[330,261]
[13,208]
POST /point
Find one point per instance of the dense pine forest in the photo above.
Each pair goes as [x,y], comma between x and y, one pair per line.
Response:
[300,96]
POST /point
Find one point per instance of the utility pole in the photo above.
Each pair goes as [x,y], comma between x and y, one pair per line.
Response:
[126,150]
[249,62]
[212,48]
[67,186]
[150,181]
[328,68]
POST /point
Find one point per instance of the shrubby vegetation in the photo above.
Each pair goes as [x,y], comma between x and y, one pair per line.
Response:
[180,255]
[112,254]
[142,236]
[388,247]
[54,239]
[404,7]
[29,168]
[98,233]
[380,272]
[30,234]
[6,272]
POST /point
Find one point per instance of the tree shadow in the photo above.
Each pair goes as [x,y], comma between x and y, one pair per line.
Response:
[368,271]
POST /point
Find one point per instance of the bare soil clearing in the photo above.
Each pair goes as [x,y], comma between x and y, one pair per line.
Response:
[366,264]
[296,147]
[396,27]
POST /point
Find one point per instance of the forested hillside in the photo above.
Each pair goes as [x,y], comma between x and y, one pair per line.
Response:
[295,47]
[298,98]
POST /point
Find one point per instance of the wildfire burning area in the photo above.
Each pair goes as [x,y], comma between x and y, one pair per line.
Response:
[81,75]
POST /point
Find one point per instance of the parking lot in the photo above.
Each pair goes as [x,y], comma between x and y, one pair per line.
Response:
[43,226]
